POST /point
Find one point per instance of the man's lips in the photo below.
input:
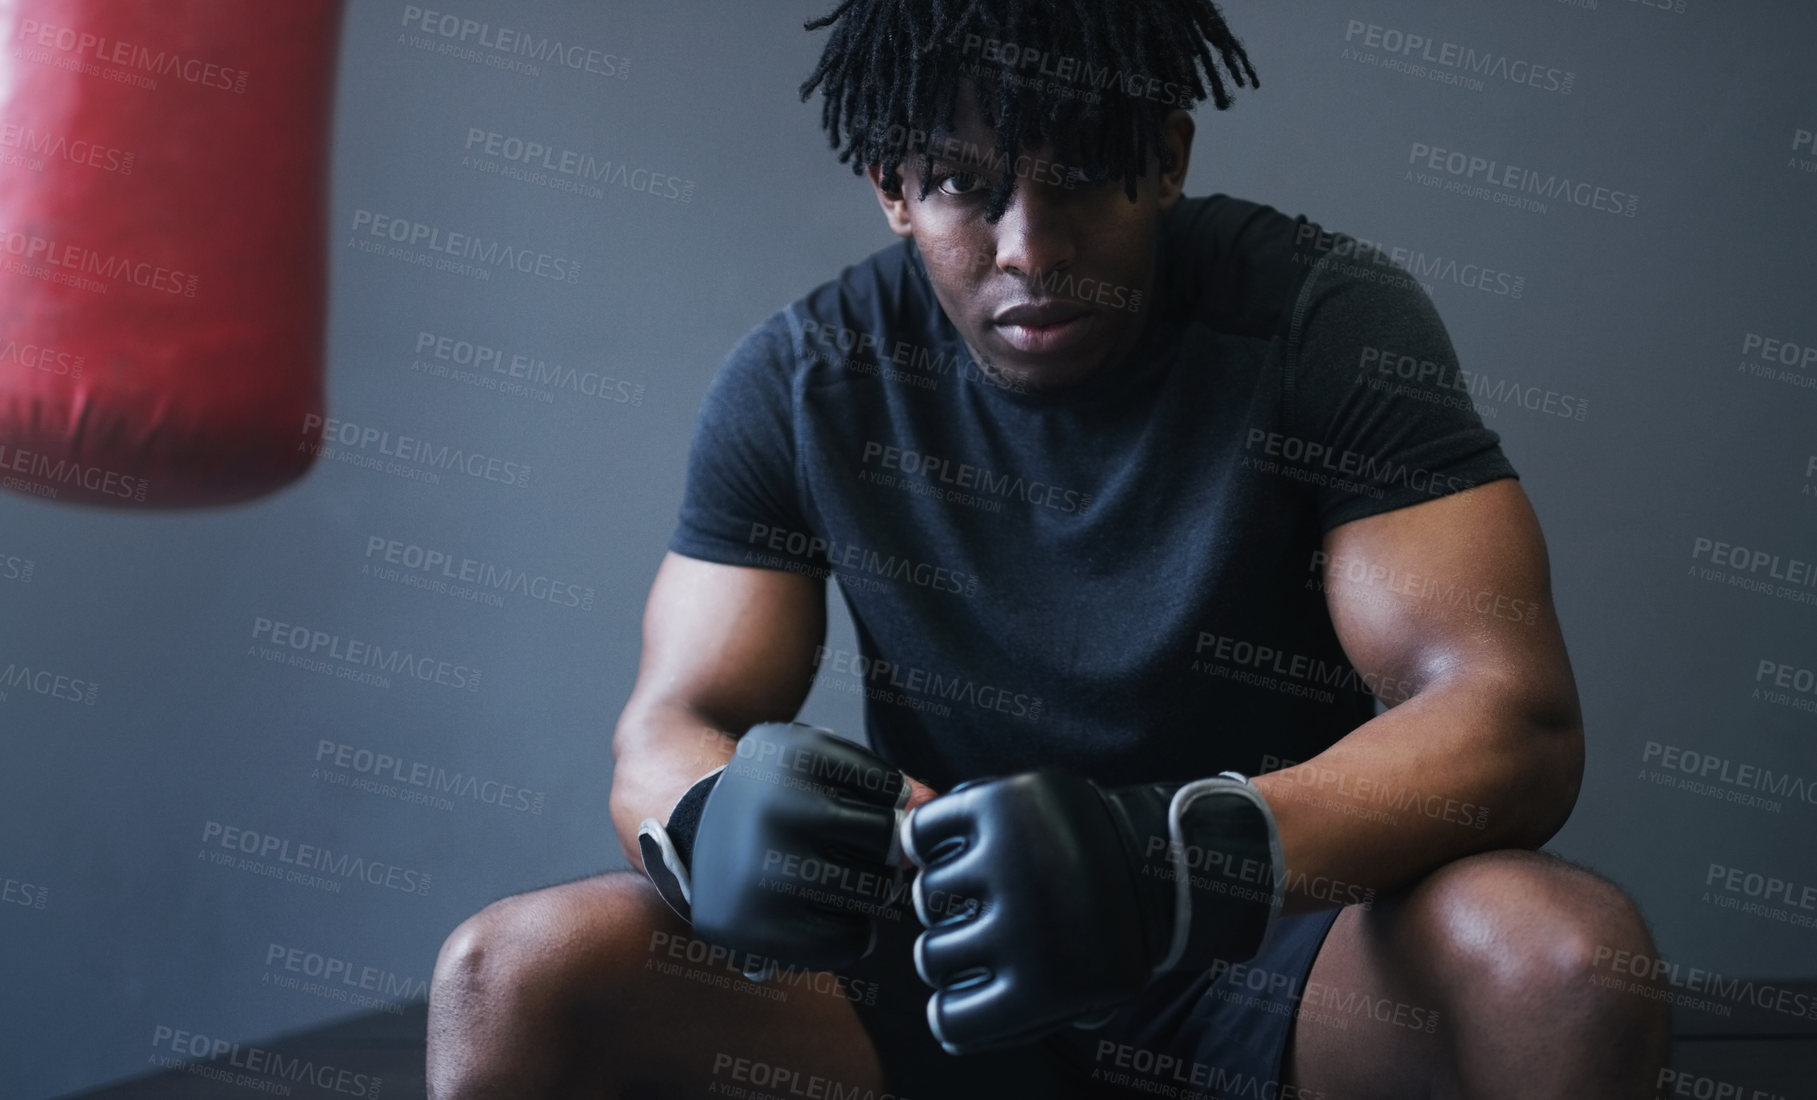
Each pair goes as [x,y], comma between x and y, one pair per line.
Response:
[1040,328]
[1038,314]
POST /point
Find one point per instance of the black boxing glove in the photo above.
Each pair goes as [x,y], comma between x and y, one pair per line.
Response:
[1049,901]
[792,852]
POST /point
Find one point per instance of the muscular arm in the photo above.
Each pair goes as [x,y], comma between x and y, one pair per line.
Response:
[1484,720]
[724,648]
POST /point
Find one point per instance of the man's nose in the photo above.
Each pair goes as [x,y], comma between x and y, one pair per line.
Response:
[1036,235]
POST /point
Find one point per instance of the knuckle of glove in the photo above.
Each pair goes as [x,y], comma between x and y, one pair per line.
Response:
[1029,884]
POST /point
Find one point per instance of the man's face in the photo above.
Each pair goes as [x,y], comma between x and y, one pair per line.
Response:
[1059,287]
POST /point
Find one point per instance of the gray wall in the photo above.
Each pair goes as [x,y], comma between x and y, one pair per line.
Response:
[1687,435]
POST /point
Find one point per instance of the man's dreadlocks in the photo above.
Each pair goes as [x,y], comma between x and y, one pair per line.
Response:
[891,74]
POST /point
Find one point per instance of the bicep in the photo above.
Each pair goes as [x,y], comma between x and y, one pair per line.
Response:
[1457,586]
[731,644]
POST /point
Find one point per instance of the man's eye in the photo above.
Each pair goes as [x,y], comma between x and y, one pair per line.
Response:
[959,183]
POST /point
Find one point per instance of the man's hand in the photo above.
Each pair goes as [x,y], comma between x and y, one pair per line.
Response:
[795,855]
[919,794]
[1050,902]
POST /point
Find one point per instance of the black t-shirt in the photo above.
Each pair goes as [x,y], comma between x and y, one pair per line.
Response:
[1119,579]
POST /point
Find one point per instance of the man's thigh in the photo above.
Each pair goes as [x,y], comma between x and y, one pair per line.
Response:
[1366,1027]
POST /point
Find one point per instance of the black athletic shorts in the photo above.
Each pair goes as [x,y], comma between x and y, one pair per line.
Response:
[1222,1032]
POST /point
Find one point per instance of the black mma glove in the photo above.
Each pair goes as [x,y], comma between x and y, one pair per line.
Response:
[789,852]
[1049,901]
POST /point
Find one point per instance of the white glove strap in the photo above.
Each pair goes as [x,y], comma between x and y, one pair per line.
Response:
[1224,785]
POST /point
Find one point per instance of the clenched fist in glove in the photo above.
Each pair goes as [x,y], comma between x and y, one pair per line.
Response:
[1049,901]
[789,852]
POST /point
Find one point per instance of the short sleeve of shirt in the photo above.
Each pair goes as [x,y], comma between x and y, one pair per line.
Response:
[1374,381]
[742,494]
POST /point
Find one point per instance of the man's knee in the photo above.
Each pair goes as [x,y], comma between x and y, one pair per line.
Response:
[526,948]
[1526,926]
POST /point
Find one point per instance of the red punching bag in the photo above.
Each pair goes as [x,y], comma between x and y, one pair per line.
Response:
[163,172]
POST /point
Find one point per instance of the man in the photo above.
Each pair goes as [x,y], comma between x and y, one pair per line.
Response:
[1121,487]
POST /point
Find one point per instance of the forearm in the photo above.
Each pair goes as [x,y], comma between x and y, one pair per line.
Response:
[658,753]
[1465,766]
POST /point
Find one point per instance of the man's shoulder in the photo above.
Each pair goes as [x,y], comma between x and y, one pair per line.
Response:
[1239,265]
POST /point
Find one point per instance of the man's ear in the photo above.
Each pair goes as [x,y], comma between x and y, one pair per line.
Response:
[1176,138]
[894,203]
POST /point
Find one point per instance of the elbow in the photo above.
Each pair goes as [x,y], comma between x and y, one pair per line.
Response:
[1552,775]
